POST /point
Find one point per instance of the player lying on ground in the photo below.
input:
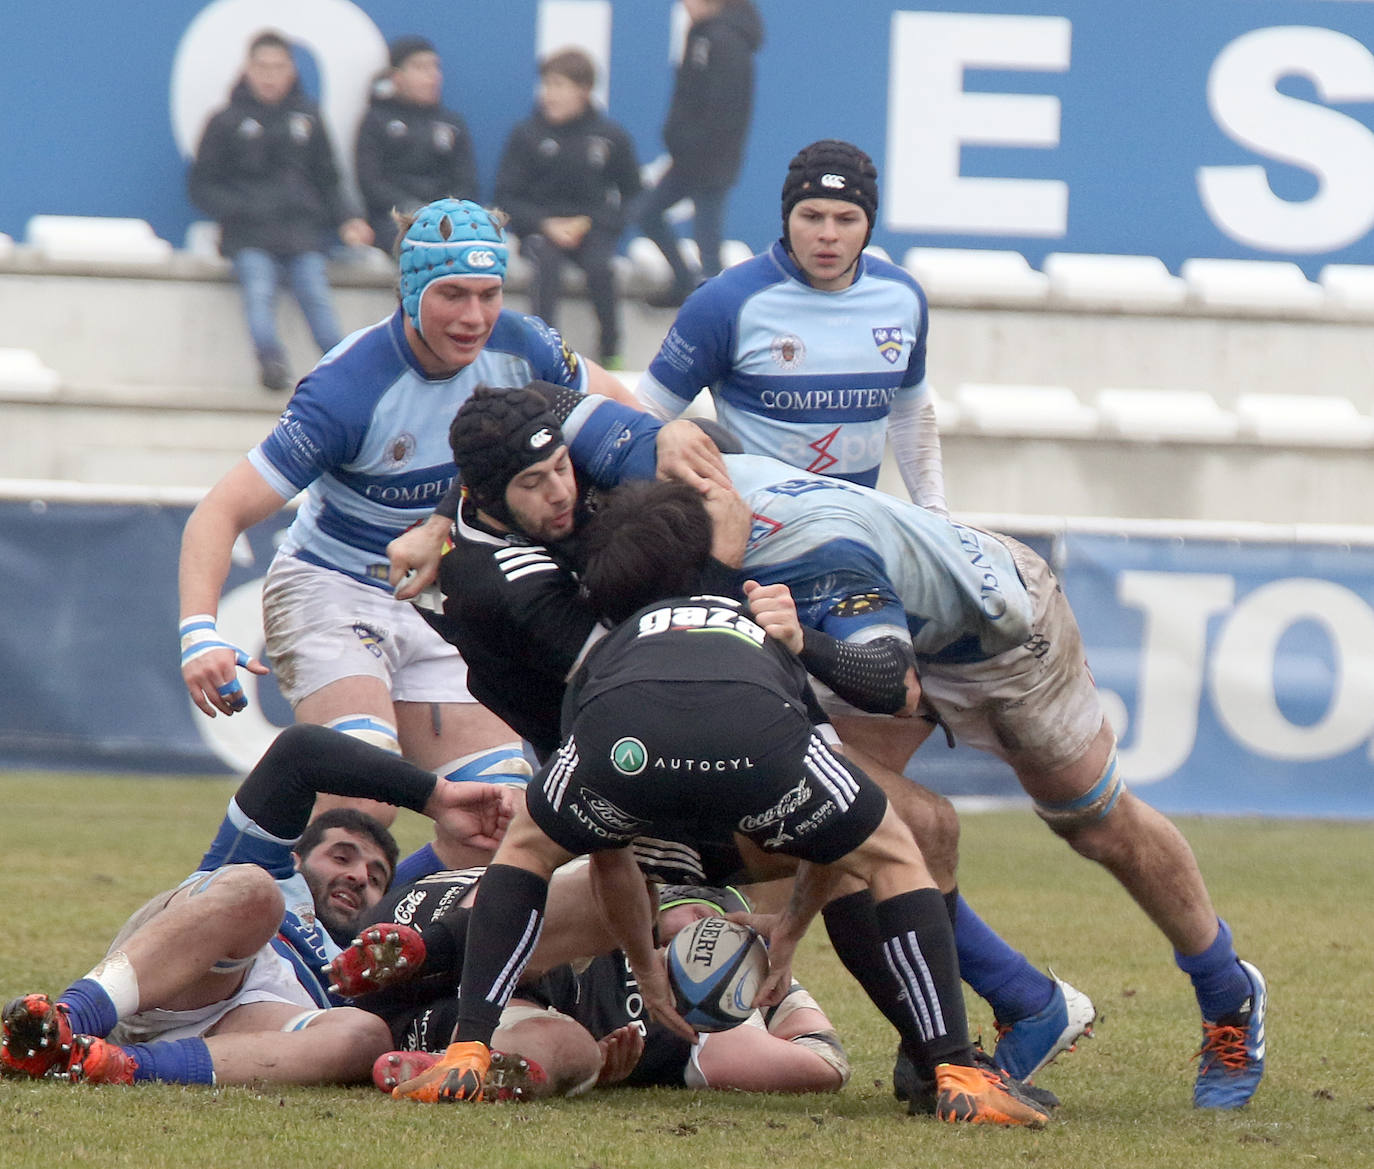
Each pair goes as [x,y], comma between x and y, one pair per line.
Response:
[512,605]
[574,1025]
[221,980]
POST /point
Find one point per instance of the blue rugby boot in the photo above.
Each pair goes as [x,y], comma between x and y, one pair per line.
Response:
[1232,1056]
[1026,1046]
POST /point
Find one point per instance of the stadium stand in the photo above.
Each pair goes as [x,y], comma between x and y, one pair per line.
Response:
[1349,287]
[96,239]
[1148,415]
[1106,281]
[1271,286]
[1304,419]
[972,274]
[1039,411]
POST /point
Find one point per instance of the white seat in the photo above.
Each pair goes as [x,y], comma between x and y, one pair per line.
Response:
[1251,284]
[6,246]
[1045,411]
[879,251]
[1113,281]
[946,411]
[1150,415]
[1349,286]
[23,375]
[647,263]
[202,239]
[96,239]
[964,273]
[1303,420]
[734,251]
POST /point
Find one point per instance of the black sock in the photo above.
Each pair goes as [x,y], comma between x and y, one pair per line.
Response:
[918,943]
[851,922]
[502,933]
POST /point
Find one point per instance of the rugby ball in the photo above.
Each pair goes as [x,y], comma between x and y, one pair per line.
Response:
[715,968]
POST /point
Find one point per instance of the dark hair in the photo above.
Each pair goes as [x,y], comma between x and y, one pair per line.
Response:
[648,541]
[350,820]
[573,64]
[268,39]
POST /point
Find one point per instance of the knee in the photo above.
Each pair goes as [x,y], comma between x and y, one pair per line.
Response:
[245,902]
[348,1040]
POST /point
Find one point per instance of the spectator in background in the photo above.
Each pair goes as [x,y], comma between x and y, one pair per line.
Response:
[411,149]
[265,172]
[707,123]
[567,177]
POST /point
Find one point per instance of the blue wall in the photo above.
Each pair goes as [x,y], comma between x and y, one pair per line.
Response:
[1218,128]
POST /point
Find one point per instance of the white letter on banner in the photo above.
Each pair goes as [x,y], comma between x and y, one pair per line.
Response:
[1173,652]
[1242,670]
[346,45]
[930,117]
[1337,149]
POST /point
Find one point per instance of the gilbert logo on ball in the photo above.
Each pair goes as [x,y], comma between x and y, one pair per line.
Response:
[715,968]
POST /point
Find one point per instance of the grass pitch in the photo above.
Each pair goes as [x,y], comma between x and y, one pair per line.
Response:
[80,852]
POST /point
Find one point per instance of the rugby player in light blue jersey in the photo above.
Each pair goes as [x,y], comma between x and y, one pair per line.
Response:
[813,351]
[972,629]
[365,437]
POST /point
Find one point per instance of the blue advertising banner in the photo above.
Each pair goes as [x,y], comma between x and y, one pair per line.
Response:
[1219,128]
[1239,673]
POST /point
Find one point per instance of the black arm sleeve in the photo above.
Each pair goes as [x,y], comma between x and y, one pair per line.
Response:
[279,793]
[871,676]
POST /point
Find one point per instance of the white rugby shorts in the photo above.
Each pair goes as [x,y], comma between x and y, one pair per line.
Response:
[323,625]
[1034,706]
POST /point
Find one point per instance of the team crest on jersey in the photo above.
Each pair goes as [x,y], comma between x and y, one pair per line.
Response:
[444,137]
[889,342]
[788,350]
[299,126]
[400,450]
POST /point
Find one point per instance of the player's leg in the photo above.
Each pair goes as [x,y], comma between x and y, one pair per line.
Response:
[557,1056]
[594,255]
[1038,1015]
[359,706]
[280,1043]
[182,951]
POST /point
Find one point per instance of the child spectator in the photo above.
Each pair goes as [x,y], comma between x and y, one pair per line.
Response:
[567,177]
[265,172]
[411,149]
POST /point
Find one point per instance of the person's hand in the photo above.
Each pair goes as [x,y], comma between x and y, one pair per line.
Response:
[658,997]
[477,814]
[415,556]
[621,1051]
[566,231]
[209,667]
[731,522]
[686,454]
[781,948]
[774,609]
[356,233]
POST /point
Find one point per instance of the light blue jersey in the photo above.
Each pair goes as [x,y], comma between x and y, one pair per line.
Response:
[366,436]
[859,563]
[806,375]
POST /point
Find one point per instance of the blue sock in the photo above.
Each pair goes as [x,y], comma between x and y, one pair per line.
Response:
[1218,980]
[90,1009]
[420,863]
[173,1061]
[1004,977]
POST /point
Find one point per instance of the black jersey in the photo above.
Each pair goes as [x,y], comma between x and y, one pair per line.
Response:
[703,638]
[512,608]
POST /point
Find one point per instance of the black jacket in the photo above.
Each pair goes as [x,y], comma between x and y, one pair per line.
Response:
[713,98]
[267,175]
[583,167]
[409,155]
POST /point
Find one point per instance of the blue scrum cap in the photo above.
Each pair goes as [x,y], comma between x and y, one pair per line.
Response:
[450,237]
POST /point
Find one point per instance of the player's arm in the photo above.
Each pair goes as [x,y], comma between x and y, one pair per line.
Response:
[274,803]
[629,912]
[915,438]
[877,674]
[208,663]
